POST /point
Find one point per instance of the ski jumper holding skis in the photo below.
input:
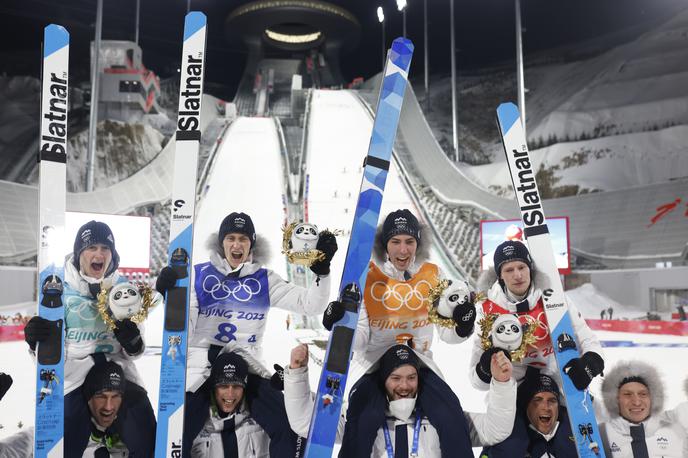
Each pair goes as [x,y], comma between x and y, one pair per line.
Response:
[517,291]
[633,394]
[91,267]
[389,415]
[396,295]
[237,413]
[234,293]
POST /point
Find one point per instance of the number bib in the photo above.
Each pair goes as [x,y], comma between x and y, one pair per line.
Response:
[538,355]
[230,308]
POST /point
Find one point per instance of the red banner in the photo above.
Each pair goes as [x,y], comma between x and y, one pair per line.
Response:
[674,328]
[11,333]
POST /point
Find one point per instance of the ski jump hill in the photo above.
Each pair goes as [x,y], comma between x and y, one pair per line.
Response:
[610,228]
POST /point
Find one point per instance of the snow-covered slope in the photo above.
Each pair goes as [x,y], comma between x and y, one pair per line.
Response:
[592,124]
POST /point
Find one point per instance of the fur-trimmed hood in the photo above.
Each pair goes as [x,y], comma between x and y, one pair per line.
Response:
[632,368]
[488,277]
[260,253]
[422,252]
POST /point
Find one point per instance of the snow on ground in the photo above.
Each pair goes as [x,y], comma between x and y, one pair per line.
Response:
[590,302]
[603,164]
[602,116]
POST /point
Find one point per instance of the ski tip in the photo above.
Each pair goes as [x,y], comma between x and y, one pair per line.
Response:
[401,52]
[55,37]
[194,21]
[507,115]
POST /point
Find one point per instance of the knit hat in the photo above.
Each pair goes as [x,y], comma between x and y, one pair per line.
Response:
[239,223]
[400,222]
[534,384]
[107,376]
[229,369]
[511,250]
[397,356]
[92,233]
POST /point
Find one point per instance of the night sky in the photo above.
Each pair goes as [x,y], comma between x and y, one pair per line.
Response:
[484,31]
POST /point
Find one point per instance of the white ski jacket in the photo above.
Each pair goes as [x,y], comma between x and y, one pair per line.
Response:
[248,324]
[485,429]
[665,435]
[86,332]
[541,357]
[252,441]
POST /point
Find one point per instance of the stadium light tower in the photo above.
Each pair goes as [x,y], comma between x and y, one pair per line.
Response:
[519,65]
[425,54]
[138,15]
[381,20]
[401,6]
[455,126]
[93,118]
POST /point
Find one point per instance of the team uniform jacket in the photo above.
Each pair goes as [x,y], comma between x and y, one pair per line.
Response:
[666,436]
[484,428]
[395,310]
[261,427]
[252,441]
[232,306]
[542,355]
[86,332]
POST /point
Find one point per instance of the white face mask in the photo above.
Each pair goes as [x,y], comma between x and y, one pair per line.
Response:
[402,408]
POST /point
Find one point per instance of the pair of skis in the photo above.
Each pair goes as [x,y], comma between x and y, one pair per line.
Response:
[578,403]
[49,435]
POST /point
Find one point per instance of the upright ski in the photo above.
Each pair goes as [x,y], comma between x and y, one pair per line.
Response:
[581,413]
[329,398]
[52,192]
[170,429]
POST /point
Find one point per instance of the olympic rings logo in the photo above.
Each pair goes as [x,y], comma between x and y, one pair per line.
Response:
[541,331]
[393,297]
[243,290]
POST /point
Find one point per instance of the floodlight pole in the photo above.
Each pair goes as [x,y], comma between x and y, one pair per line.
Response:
[93,119]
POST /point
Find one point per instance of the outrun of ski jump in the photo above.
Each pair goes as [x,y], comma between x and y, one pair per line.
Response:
[350,248]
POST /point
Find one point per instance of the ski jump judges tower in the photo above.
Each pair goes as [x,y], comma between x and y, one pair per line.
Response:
[317,31]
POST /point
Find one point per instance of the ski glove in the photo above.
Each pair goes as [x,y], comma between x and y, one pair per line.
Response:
[327,243]
[129,336]
[277,379]
[333,313]
[483,367]
[166,280]
[582,370]
[5,383]
[37,330]
[464,316]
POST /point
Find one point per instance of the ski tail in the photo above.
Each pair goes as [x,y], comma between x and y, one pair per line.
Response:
[170,427]
[329,398]
[52,158]
[564,343]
